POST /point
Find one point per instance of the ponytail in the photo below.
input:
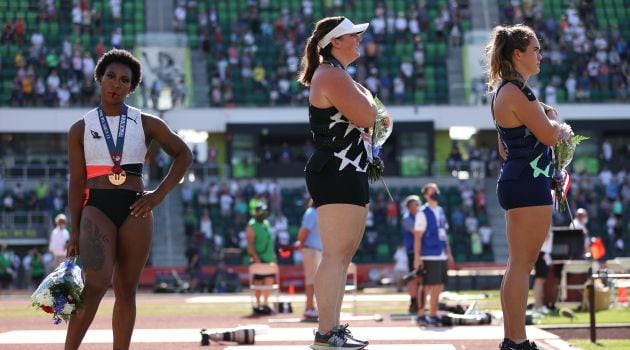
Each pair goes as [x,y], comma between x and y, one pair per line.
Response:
[309,62]
[312,52]
[499,51]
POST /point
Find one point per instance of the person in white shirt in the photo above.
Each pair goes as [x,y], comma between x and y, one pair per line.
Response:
[58,240]
[541,271]
[431,251]
[579,223]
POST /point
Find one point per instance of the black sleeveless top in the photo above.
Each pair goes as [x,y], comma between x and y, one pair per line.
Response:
[335,137]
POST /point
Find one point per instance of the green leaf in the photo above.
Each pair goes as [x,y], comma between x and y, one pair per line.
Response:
[576,139]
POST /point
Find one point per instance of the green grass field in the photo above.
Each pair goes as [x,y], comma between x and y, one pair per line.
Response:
[616,315]
[607,344]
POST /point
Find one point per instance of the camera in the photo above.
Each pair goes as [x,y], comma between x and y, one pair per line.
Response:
[414,273]
[240,336]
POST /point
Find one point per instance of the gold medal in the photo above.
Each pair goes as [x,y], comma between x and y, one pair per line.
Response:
[117,179]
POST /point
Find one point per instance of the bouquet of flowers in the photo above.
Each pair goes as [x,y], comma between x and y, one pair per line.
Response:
[59,293]
[563,152]
[379,133]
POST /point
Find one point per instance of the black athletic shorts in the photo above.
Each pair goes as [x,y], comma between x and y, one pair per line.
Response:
[541,269]
[328,185]
[436,272]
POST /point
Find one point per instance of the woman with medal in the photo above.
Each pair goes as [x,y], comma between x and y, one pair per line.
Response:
[340,113]
[527,130]
[111,212]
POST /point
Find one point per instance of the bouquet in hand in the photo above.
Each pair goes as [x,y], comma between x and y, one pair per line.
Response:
[59,293]
[563,152]
[379,133]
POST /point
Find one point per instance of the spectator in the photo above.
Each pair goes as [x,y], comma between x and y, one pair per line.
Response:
[412,202]
[311,245]
[193,267]
[431,250]
[58,240]
[179,16]
[190,223]
[19,30]
[115,6]
[6,270]
[261,250]
[37,267]
[117,38]
[486,238]
[571,86]
[205,225]
[541,271]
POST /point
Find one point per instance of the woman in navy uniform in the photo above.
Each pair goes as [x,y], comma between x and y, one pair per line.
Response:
[340,111]
[527,129]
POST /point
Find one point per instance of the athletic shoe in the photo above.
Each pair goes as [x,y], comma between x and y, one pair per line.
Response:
[427,321]
[346,332]
[541,310]
[310,313]
[339,338]
[508,344]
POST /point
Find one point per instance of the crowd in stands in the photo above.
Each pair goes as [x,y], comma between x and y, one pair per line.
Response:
[41,197]
[606,199]
[255,46]
[50,49]
[585,48]
[23,272]
[252,48]
[216,214]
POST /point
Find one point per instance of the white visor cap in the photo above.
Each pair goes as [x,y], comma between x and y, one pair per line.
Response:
[343,28]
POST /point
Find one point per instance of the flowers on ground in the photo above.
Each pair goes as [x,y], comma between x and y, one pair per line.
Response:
[59,293]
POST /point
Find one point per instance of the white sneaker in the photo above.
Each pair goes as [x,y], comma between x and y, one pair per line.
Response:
[310,313]
[542,310]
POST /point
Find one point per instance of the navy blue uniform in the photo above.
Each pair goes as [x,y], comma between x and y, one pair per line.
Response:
[525,177]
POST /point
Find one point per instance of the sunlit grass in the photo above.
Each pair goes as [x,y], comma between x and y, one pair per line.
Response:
[604,344]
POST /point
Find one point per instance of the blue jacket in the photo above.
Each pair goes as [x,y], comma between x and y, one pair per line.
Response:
[432,245]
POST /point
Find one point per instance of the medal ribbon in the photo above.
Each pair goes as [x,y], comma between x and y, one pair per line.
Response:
[115,151]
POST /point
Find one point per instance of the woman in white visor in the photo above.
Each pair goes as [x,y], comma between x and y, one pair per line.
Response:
[340,113]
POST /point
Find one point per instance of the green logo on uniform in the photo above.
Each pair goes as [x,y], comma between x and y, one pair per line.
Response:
[537,170]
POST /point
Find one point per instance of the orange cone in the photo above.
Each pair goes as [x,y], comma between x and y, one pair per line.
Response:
[291,288]
[622,295]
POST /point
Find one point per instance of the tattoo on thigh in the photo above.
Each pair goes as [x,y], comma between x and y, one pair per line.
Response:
[94,247]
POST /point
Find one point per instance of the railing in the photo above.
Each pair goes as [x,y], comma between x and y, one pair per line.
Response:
[464,169]
[25,227]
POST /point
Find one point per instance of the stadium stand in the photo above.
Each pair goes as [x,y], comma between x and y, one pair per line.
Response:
[255,47]
[585,49]
[49,48]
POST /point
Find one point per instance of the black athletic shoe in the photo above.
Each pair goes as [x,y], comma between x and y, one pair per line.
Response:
[339,338]
[343,330]
[508,344]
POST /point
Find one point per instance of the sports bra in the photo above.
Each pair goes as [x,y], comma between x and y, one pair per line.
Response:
[97,158]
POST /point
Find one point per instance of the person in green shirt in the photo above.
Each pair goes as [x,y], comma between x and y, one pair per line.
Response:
[37,268]
[6,258]
[261,250]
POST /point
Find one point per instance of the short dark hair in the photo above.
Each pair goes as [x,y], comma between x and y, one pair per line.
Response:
[120,56]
